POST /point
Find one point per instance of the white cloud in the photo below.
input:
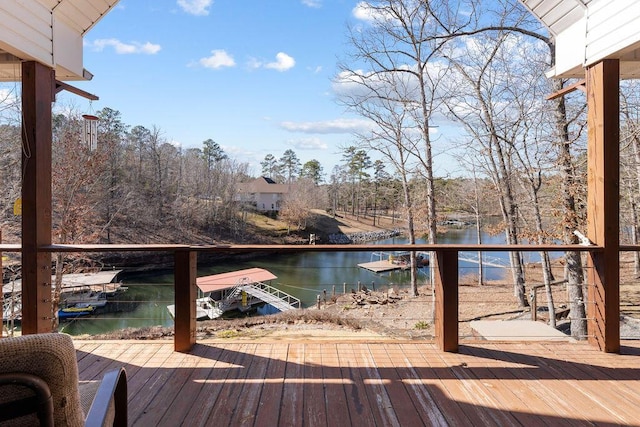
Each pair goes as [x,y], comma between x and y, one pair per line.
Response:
[122,48]
[196,7]
[218,59]
[316,4]
[308,144]
[283,62]
[363,11]
[326,127]
[254,63]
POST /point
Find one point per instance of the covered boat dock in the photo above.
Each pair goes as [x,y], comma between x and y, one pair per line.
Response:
[238,290]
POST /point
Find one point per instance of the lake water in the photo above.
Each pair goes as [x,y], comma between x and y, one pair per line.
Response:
[303,275]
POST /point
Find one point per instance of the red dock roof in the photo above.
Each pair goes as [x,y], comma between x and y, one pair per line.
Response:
[218,282]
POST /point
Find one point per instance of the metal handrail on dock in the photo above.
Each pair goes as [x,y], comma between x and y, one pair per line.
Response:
[487,260]
[290,300]
[277,298]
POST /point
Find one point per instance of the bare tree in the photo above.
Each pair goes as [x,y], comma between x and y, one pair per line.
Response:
[389,138]
[400,48]
[76,174]
[337,182]
[296,210]
[111,133]
[480,100]
[398,89]
[630,145]
[509,16]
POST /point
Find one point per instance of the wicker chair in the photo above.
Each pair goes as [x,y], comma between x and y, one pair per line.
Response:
[39,386]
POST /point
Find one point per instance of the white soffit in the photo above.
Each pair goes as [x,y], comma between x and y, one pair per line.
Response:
[47,31]
[81,15]
[588,31]
[557,15]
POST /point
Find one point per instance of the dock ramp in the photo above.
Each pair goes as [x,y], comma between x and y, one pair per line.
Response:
[277,298]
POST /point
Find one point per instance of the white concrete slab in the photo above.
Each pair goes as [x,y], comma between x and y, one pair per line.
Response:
[520,330]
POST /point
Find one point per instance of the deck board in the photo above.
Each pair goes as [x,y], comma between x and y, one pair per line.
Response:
[149,387]
[302,382]
[210,402]
[547,400]
[269,405]
[400,398]
[361,412]
[292,405]
[231,394]
[524,394]
[185,396]
[315,410]
[335,392]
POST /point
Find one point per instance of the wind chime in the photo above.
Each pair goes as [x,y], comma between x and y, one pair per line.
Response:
[90,131]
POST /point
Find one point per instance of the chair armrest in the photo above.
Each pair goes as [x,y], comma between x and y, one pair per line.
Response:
[41,403]
[112,391]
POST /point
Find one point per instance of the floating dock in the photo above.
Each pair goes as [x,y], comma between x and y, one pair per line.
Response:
[380,266]
[390,261]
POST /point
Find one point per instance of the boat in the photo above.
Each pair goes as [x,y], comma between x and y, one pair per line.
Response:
[206,309]
[83,295]
[88,289]
[74,312]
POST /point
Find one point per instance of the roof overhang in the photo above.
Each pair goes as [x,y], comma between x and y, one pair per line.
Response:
[588,31]
[47,31]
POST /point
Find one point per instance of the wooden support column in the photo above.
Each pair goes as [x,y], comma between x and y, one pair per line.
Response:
[603,103]
[185,273]
[445,270]
[37,97]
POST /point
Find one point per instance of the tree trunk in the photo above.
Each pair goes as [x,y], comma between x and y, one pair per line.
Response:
[410,232]
[509,213]
[574,271]
[547,274]
[548,279]
[476,211]
[635,231]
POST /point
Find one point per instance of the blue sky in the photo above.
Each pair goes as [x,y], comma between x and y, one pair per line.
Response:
[254,76]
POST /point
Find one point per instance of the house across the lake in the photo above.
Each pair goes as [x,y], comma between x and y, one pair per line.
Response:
[263,193]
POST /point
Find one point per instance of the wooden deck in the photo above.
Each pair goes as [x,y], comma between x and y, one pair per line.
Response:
[399,383]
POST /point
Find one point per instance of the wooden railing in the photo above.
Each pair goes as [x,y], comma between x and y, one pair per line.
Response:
[444,267]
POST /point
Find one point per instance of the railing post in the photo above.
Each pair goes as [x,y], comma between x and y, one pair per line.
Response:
[534,304]
[185,272]
[445,271]
[37,96]
[603,155]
